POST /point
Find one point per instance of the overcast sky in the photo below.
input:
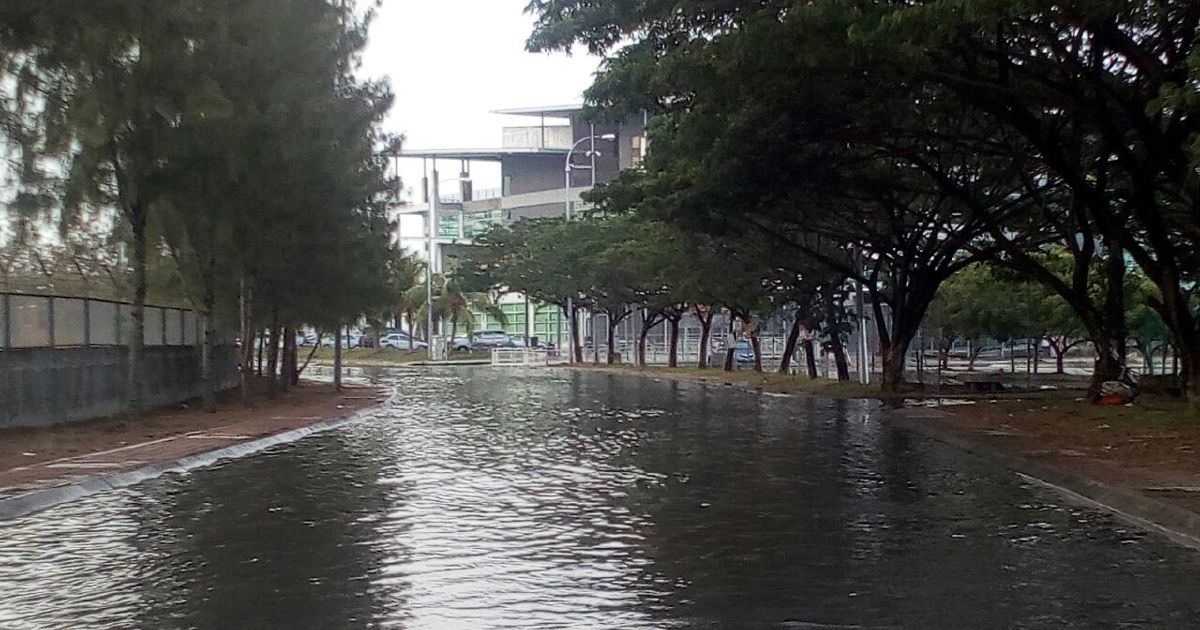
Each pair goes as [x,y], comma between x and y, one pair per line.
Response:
[452,62]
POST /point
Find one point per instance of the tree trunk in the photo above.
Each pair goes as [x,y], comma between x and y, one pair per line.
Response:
[611,340]
[1110,346]
[287,368]
[1107,368]
[247,346]
[207,349]
[576,351]
[756,346]
[839,356]
[810,357]
[273,358]
[311,351]
[137,336]
[893,379]
[337,356]
[972,355]
[262,344]
[729,359]
[789,348]
[641,346]
[705,337]
[673,350]
[412,331]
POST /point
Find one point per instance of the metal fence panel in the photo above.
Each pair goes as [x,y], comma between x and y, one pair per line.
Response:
[104,323]
[191,332]
[30,321]
[124,324]
[69,322]
[174,327]
[153,327]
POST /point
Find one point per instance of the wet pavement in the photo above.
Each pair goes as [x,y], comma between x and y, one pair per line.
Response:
[535,499]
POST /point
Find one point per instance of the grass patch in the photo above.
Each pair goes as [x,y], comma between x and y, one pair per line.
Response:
[384,356]
[768,381]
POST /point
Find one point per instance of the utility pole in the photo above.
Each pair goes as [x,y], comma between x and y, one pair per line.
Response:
[864,370]
[429,233]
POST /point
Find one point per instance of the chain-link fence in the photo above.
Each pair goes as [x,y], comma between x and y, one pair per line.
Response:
[51,321]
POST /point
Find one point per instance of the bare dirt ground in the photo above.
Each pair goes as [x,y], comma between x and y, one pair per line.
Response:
[44,457]
[1152,446]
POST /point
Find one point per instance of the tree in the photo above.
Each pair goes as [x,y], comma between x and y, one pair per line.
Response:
[453,301]
[405,275]
[1102,93]
[552,261]
[811,152]
[231,136]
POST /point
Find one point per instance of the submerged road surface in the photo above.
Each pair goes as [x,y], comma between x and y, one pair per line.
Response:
[491,499]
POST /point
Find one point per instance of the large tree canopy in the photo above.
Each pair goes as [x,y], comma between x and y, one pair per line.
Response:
[922,136]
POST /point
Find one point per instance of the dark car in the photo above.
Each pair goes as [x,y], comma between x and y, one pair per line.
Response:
[743,351]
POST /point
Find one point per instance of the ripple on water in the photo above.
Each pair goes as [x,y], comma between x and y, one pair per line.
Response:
[489,499]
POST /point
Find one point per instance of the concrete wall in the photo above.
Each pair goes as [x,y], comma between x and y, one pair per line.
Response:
[45,386]
[531,173]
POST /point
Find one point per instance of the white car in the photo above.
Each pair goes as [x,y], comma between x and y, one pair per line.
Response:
[491,339]
[400,341]
[350,341]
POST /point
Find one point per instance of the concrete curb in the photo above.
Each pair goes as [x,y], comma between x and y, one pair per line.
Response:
[38,500]
[1178,524]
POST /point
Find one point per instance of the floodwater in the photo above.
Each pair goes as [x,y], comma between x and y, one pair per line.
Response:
[489,499]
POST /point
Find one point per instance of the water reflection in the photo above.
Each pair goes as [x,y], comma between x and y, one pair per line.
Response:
[539,499]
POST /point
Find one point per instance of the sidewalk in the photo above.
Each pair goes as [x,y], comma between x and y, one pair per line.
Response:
[38,459]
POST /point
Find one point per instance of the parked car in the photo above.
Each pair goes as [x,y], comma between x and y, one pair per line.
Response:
[491,339]
[462,343]
[521,341]
[348,341]
[743,351]
[400,341]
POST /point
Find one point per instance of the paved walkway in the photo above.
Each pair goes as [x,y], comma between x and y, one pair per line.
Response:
[36,459]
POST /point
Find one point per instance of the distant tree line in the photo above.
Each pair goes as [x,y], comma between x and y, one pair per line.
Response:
[229,139]
[897,144]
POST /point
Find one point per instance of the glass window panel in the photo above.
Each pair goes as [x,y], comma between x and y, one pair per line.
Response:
[30,321]
[68,322]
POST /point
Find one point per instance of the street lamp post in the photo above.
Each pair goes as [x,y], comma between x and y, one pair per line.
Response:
[567,211]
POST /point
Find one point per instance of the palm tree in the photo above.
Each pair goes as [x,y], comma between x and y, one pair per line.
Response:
[405,272]
[451,301]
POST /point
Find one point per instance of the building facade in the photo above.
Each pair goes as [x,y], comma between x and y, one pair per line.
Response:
[534,168]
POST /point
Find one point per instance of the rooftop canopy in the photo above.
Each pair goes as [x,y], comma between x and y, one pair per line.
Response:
[554,111]
[483,155]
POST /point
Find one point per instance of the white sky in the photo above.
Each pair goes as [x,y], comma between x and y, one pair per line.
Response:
[452,62]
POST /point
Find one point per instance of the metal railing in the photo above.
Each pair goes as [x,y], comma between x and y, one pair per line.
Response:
[54,321]
[520,357]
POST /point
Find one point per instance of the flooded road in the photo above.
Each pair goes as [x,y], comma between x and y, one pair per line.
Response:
[508,499]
